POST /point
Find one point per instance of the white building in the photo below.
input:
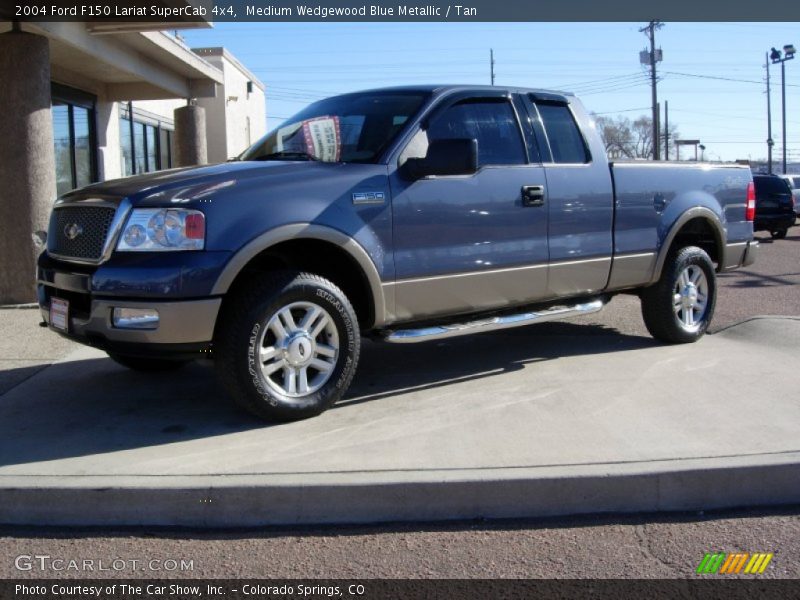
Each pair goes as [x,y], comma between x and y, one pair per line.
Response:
[242,105]
[85,103]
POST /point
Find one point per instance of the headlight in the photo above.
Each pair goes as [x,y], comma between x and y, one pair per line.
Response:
[160,229]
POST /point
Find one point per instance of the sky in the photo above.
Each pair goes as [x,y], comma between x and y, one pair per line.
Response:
[712,74]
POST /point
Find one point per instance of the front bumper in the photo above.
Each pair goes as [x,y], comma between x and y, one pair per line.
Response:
[185,329]
[188,322]
[185,326]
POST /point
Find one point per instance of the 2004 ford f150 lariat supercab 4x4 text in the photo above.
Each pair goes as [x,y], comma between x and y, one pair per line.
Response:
[407,214]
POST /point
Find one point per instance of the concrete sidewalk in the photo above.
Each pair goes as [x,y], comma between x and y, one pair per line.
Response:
[26,349]
[554,419]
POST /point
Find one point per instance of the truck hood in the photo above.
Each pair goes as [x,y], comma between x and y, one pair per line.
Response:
[193,182]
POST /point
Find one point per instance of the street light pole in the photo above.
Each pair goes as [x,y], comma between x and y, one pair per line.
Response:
[770,141]
[783,109]
[776,57]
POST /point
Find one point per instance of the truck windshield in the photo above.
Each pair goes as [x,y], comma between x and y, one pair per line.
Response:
[348,128]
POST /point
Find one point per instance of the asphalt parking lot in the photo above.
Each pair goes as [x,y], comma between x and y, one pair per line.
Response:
[654,545]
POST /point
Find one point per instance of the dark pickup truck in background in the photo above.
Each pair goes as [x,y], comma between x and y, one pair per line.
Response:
[775,205]
[407,214]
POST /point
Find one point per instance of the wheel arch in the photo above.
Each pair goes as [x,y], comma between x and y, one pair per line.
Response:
[699,226]
[297,233]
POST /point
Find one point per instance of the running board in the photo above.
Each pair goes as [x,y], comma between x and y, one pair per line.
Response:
[438,332]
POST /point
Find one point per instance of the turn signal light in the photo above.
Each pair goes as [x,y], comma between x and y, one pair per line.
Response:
[195,226]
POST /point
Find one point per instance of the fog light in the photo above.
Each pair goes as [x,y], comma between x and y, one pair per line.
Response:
[135,318]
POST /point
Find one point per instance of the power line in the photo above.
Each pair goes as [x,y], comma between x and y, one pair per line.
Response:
[603,80]
[614,89]
[613,84]
[610,85]
[722,78]
[624,110]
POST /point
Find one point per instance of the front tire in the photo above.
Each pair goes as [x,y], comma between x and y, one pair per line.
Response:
[778,234]
[679,308]
[287,346]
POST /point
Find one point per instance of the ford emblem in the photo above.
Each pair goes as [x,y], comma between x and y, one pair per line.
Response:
[72,231]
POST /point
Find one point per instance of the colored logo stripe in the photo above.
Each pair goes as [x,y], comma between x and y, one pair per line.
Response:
[734,563]
[722,563]
[758,564]
[711,562]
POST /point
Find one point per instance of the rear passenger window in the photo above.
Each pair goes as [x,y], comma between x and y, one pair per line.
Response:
[566,141]
[491,122]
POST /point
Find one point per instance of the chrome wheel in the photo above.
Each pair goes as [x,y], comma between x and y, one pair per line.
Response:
[298,349]
[690,298]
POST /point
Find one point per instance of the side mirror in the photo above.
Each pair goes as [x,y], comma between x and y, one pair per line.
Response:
[445,157]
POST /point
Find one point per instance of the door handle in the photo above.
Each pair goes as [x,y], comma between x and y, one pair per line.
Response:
[532,195]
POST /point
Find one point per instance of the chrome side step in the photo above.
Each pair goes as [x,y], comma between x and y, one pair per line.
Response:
[438,332]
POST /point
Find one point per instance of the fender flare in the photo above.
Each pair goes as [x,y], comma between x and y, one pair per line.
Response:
[297,231]
[693,213]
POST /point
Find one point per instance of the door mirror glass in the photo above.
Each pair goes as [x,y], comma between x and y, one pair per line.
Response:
[445,157]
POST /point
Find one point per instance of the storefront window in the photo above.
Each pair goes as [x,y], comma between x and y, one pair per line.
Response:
[126,143]
[73,137]
[62,148]
[146,146]
[138,148]
[83,150]
[165,149]
[151,147]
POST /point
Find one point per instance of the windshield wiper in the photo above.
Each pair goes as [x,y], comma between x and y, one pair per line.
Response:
[286,155]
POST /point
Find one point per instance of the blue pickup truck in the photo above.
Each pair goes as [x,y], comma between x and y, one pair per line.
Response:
[407,214]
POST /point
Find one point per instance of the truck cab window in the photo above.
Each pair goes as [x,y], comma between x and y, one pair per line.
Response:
[566,141]
[491,122]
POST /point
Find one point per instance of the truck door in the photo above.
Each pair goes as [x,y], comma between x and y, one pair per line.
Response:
[580,199]
[475,242]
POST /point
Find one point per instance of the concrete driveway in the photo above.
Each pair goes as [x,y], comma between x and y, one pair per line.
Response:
[560,419]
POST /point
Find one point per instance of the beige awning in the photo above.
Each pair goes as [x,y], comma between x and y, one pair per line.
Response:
[129,65]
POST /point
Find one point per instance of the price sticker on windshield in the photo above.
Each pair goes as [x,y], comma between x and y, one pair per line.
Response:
[323,138]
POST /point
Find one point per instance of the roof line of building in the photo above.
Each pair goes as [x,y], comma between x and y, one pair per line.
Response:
[223,52]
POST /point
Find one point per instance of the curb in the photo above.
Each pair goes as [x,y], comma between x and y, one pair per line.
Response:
[298,499]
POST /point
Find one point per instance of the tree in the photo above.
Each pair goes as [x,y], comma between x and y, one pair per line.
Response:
[624,138]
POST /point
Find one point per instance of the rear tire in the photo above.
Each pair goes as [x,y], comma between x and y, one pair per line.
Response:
[679,308]
[778,234]
[147,365]
[287,346]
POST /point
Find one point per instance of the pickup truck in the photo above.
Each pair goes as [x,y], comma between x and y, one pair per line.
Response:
[406,214]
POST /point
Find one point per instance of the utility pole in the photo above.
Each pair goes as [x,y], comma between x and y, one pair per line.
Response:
[770,141]
[653,57]
[666,130]
[491,64]
[657,139]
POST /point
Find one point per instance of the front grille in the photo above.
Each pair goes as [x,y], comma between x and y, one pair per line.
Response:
[88,227]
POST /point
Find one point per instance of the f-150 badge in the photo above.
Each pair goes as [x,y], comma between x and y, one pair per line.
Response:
[368,197]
